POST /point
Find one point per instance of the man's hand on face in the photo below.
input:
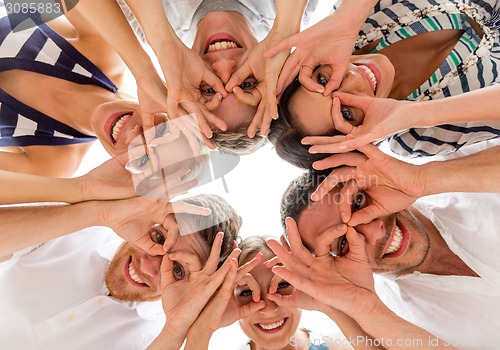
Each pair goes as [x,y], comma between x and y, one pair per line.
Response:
[343,282]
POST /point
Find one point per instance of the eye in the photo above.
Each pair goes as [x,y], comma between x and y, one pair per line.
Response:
[346,114]
[247,293]
[322,79]
[343,246]
[283,285]
[178,271]
[359,202]
[207,90]
[157,237]
[248,84]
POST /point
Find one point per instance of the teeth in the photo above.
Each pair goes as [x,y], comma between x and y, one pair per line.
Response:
[396,241]
[221,46]
[116,128]
[132,274]
[272,325]
[371,75]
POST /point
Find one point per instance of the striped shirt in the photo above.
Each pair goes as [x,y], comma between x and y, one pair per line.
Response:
[469,66]
[41,50]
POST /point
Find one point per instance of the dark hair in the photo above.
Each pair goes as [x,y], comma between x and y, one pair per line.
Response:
[296,197]
[223,214]
[286,138]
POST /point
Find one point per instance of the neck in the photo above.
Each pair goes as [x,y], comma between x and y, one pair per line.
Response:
[440,260]
[82,101]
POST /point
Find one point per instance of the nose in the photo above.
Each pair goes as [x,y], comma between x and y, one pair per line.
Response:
[150,265]
[372,231]
[354,83]
[224,67]
[270,307]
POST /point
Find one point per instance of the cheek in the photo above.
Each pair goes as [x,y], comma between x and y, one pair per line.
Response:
[246,327]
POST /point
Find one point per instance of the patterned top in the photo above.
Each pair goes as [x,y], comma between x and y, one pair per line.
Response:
[39,49]
[471,65]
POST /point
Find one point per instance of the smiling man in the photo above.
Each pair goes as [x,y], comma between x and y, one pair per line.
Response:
[438,260]
[91,290]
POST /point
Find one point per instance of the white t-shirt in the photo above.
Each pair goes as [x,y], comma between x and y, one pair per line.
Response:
[465,310]
[184,15]
[55,298]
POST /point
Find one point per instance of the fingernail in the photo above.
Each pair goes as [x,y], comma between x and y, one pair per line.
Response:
[320,91]
[314,196]
[343,147]
[305,142]
[344,217]
[219,96]
[312,150]
[342,227]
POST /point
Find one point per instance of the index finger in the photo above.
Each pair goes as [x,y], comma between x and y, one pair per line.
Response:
[305,78]
[166,275]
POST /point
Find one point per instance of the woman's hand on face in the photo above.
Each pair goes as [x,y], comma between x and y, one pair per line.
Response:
[390,184]
[344,283]
[184,73]
[327,42]
[383,117]
[266,72]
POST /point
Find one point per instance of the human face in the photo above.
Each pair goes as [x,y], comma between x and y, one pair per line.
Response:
[367,75]
[272,326]
[223,40]
[118,125]
[134,275]
[396,243]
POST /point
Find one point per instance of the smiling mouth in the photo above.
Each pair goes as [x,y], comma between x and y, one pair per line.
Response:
[370,75]
[116,126]
[134,276]
[272,327]
[221,44]
[398,242]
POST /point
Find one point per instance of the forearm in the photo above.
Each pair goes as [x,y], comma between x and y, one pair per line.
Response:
[197,339]
[354,12]
[479,172]
[108,19]
[352,330]
[167,340]
[24,188]
[288,18]
[153,20]
[24,226]
[398,333]
[479,105]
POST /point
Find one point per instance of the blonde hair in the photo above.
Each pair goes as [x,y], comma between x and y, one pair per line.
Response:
[253,245]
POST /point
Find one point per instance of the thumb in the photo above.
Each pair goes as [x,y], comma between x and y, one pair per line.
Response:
[239,76]
[356,245]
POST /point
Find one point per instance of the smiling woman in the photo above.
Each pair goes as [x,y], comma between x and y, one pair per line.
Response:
[419,53]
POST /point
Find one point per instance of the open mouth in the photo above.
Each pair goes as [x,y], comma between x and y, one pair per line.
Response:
[370,76]
[133,276]
[116,127]
[221,42]
[272,327]
[398,243]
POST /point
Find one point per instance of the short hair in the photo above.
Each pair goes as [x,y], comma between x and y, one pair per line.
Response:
[286,138]
[223,214]
[237,141]
[296,197]
[252,245]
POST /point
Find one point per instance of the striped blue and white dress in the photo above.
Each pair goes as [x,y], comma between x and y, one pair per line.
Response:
[473,63]
[39,49]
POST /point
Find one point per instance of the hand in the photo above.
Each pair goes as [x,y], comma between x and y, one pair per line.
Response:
[383,117]
[223,309]
[266,71]
[344,283]
[391,184]
[184,72]
[133,220]
[109,180]
[329,41]
[184,299]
